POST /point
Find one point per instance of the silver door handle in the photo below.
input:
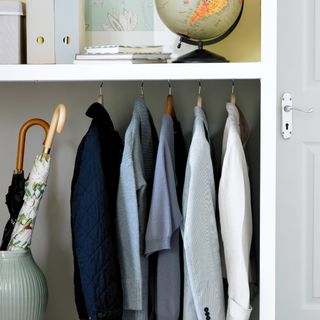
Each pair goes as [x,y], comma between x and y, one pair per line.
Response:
[287,108]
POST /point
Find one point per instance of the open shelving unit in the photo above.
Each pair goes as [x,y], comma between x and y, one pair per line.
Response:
[264,71]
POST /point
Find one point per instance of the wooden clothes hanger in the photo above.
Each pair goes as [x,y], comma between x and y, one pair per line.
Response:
[22,139]
[244,127]
[169,107]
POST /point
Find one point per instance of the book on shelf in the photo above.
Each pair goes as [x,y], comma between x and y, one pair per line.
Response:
[122,49]
[124,56]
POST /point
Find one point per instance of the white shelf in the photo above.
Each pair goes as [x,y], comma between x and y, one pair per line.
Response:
[119,71]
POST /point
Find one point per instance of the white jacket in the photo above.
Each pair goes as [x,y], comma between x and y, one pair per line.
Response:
[203,288]
[235,217]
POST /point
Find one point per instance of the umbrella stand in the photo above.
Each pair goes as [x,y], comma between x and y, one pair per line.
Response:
[14,197]
[35,186]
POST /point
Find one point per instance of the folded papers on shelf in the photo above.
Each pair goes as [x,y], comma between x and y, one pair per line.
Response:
[122,58]
[122,49]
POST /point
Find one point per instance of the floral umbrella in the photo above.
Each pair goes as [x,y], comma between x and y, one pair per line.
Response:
[15,195]
[35,186]
[34,189]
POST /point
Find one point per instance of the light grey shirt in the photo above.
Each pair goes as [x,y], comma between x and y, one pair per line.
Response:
[203,288]
[136,171]
[163,227]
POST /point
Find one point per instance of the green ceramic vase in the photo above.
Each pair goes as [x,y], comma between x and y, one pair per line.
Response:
[23,287]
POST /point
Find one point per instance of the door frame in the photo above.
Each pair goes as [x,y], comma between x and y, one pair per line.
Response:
[268,145]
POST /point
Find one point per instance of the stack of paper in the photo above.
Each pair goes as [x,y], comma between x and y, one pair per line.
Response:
[122,49]
[122,54]
[122,58]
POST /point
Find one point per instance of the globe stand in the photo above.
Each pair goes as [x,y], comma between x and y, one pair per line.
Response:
[202,55]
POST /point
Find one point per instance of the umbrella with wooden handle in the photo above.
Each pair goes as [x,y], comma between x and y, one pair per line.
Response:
[14,197]
[22,139]
[57,124]
[35,186]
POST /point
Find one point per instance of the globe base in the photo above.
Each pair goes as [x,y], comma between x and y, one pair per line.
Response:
[200,55]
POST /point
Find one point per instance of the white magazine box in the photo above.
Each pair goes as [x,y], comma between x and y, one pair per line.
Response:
[12,32]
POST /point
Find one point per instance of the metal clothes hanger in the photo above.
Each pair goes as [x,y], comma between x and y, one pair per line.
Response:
[169,107]
[244,127]
[142,90]
[232,95]
[100,98]
[199,98]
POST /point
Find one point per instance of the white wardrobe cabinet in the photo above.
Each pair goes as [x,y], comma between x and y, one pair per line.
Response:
[29,91]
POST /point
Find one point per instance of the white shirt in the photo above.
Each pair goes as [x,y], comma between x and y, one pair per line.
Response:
[203,288]
[235,217]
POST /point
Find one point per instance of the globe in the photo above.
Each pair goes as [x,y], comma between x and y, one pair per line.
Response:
[200,22]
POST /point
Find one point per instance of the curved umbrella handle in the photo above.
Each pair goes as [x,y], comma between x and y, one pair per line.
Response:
[22,139]
[56,125]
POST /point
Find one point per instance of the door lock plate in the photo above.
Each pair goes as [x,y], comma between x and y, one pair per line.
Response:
[286,107]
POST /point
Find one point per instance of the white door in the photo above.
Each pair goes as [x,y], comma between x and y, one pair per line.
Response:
[298,164]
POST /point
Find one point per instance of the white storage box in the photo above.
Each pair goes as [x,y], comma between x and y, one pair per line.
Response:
[12,32]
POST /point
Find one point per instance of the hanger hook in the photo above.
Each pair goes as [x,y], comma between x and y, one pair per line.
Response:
[233,86]
[100,88]
[142,88]
[170,88]
[200,87]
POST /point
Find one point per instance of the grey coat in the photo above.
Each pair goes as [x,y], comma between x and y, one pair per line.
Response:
[133,203]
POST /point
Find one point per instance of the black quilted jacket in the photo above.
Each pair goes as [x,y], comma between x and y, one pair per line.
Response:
[97,282]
